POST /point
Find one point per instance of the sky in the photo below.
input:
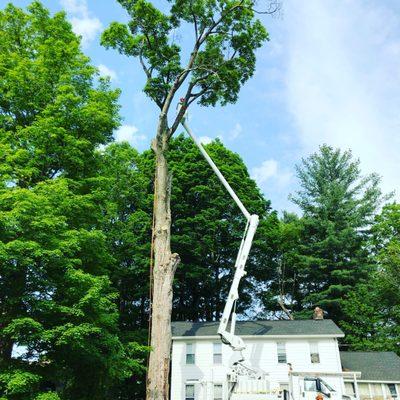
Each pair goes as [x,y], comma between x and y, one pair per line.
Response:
[329,74]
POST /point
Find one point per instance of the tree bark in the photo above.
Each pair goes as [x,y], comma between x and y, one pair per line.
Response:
[165,264]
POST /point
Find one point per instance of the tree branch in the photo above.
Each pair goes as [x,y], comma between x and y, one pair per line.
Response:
[182,110]
[196,29]
[195,96]
[145,68]
[218,21]
[274,7]
[182,76]
[188,99]
[178,82]
[285,310]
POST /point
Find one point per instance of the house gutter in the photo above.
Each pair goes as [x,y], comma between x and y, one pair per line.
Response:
[262,337]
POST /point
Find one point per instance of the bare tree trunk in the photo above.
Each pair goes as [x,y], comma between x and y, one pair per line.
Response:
[165,264]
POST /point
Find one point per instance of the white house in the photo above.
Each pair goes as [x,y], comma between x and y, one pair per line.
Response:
[301,356]
[379,374]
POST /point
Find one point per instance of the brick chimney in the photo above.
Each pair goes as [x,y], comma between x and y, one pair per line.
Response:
[318,313]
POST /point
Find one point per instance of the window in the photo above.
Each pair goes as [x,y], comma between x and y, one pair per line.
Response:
[217,391]
[190,359]
[324,387]
[217,353]
[318,385]
[189,392]
[377,392]
[350,388]
[392,390]
[314,353]
[363,390]
[310,385]
[281,347]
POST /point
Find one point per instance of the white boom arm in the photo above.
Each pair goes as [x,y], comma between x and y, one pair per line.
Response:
[228,336]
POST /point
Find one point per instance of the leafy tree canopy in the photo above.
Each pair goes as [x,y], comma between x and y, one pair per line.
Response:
[57,304]
[51,115]
[207,228]
[225,36]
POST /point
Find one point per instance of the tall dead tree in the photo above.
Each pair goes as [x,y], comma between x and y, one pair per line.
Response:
[225,35]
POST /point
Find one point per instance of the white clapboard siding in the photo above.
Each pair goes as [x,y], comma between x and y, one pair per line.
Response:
[261,353]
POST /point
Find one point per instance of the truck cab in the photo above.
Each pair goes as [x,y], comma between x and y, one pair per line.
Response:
[311,387]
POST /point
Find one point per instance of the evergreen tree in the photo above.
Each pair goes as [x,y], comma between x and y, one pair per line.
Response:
[338,206]
[125,188]
[373,309]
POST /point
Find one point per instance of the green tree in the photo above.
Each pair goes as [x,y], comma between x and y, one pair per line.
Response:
[338,206]
[373,309]
[56,301]
[283,296]
[206,230]
[56,298]
[51,116]
[224,36]
[124,188]
[207,227]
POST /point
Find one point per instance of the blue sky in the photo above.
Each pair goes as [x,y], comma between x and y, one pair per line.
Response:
[330,74]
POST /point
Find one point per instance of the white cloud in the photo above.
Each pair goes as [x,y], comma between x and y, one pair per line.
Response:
[83,23]
[265,171]
[75,6]
[105,71]
[269,171]
[343,78]
[86,27]
[236,131]
[129,133]
[205,139]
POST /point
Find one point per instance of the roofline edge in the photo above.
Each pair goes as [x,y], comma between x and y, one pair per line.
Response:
[204,337]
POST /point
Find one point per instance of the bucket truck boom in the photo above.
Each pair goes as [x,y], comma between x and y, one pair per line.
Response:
[227,334]
[246,381]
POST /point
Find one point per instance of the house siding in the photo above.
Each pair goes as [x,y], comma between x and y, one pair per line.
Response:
[372,390]
[261,352]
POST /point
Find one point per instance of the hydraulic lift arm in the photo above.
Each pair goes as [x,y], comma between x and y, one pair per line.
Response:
[228,336]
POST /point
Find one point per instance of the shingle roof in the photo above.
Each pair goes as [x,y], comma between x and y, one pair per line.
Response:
[373,365]
[260,328]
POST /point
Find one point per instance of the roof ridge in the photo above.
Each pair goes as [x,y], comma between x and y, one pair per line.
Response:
[257,320]
[368,351]
[260,328]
